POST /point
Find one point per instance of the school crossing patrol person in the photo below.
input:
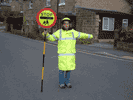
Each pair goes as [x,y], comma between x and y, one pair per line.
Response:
[66,50]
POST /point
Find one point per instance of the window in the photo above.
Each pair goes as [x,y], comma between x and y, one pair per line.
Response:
[62,2]
[108,24]
[124,23]
[30,4]
[48,3]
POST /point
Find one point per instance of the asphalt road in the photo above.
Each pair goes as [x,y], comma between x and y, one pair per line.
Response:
[96,77]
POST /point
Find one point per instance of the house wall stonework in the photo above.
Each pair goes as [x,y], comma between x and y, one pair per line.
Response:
[87,22]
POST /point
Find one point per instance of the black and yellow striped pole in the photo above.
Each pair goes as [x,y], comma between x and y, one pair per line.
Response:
[46,18]
[43,62]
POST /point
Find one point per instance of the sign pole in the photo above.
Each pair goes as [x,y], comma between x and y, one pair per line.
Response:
[46,18]
[43,62]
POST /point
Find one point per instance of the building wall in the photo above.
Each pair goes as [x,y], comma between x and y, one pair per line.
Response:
[89,22]
[5,12]
[31,25]
[15,6]
[87,19]
[117,24]
[117,5]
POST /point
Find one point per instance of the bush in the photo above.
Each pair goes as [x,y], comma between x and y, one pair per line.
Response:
[83,41]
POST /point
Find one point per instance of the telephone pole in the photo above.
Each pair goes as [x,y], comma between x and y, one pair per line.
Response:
[57,12]
[54,6]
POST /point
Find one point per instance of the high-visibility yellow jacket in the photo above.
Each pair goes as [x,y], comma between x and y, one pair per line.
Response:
[66,46]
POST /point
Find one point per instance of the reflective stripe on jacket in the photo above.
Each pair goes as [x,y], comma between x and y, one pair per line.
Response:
[66,40]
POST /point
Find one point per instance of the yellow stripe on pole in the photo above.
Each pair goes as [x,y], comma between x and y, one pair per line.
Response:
[44,49]
[42,72]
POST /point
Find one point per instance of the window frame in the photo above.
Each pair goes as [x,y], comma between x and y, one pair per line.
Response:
[124,21]
[47,3]
[108,27]
[30,5]
[61,3]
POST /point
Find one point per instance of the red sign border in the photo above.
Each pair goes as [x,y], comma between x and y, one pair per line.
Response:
[37,18]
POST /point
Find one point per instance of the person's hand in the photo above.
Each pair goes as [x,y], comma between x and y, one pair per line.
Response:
[45,32]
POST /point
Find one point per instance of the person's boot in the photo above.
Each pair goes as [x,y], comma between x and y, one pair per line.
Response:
[62,86]
[68,85]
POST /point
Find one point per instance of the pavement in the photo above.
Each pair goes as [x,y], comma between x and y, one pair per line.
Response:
[103,48]
[102,45]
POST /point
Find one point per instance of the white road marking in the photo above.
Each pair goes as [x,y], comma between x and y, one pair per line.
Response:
[106,56]
[120,58]
[53,56]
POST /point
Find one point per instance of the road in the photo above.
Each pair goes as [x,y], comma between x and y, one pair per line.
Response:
[96,77]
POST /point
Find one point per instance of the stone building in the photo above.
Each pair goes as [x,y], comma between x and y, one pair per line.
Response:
[97,17]
[4,10]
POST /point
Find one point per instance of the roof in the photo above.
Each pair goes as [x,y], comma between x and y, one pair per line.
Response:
[68,13]
[102,10]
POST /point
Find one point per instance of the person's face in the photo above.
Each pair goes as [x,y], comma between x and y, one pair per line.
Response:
[66,25]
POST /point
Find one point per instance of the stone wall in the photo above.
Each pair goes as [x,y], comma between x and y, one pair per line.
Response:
[87,22]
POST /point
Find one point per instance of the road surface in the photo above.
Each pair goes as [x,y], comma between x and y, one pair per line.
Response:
[96,77]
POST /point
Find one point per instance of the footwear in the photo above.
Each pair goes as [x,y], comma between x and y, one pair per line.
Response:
[68,85]
[62,86]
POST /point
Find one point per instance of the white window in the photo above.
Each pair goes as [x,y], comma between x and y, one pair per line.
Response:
[30,5]
[48,3]
[108,24]
[124,23]
[21,11]
[62,2]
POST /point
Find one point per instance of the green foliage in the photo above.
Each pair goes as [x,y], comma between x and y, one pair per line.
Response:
[84,42]
[24,19]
